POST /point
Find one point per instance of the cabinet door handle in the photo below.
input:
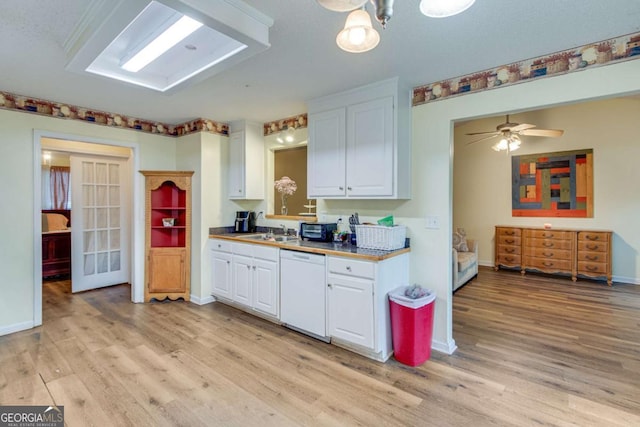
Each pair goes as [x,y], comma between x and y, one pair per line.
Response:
[349,188]
[254,267]
[341,188]
[348,268]
[228,262]
[329,285]
[248,267]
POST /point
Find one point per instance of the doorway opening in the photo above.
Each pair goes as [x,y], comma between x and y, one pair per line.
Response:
[102,236]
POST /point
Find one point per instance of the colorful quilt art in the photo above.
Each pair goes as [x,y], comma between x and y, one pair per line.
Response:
[553,184]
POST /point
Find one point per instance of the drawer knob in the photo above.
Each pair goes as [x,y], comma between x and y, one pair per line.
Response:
[348,268]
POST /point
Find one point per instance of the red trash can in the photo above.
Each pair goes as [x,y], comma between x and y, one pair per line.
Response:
[411,326]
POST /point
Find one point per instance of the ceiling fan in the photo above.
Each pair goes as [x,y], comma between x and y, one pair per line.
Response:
[510,133]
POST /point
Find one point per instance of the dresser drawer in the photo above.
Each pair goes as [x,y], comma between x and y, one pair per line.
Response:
[549,243]
[512,232]
[546,264]
[593,236]
[549,253]
[550,234]
[587,246]
[508,260]
[593,256]
[593,268]
[509,240]
[509,249]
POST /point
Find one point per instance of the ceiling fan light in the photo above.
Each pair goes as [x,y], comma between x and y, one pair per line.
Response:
[514,145]
[358,34]
[444,8]
[503,144]
[341,5]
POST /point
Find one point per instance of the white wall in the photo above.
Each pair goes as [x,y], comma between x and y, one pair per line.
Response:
[17,250]
[482,177]
[207,155]
[432,154]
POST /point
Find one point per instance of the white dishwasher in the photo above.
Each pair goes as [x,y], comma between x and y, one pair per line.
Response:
[303,293]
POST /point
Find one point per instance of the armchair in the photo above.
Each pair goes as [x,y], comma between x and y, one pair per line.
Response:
[465,264]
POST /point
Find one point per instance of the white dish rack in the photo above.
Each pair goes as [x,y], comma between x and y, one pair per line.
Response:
[381,237]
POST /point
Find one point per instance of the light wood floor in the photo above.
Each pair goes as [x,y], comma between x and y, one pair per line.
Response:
[532,351]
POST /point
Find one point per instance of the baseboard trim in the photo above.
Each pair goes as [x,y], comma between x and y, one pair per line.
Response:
[201,301]
[16,327]
[443,347]
[628,280]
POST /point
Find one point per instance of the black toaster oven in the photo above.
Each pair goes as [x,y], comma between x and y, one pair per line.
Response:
[317,231]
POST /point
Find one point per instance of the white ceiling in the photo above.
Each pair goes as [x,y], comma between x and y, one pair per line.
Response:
[303,61]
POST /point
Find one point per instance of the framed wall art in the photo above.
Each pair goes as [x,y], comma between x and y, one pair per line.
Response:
[553,184]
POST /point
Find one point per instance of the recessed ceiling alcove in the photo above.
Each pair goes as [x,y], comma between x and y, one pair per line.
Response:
[109,35]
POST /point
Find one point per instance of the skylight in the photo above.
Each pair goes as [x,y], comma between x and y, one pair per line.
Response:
[162,48]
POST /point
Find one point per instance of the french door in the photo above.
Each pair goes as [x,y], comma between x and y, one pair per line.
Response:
[99,226]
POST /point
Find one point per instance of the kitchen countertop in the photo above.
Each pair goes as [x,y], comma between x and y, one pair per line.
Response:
[325,248]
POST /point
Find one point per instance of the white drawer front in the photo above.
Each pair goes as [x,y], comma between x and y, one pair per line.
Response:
[266,252]
[242,249]
[352,267]
[220,245]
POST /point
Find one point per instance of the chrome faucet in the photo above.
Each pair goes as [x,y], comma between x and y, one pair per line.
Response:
[285,230]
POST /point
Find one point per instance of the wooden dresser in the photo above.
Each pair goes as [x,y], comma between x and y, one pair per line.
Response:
[556,251]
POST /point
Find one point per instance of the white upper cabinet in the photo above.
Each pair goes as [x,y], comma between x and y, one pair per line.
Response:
[326,163]
[360,143]
[246,162]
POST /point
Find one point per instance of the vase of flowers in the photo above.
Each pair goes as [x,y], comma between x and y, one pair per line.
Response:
[286,187]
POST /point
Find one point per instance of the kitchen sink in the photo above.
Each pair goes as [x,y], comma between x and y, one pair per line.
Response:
[265,237]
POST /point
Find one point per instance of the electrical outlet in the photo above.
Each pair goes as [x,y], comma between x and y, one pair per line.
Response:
[433,222]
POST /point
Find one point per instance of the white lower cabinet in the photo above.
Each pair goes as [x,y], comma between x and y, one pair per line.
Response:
[220,268]
[350,310]
[248,275]
[266,286]
[242,280]
[357,304]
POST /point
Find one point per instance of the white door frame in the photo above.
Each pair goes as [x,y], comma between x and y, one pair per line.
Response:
[136,256]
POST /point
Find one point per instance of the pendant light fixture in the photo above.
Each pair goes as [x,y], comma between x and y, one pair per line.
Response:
[444,8]
[341,5]
[358,34]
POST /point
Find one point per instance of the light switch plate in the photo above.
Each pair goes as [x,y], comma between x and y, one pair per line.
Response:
[432,221]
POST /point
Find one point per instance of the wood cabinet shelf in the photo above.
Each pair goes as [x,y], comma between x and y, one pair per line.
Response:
[168,248]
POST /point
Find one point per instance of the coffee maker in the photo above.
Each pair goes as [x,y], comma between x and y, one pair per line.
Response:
[245,222]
